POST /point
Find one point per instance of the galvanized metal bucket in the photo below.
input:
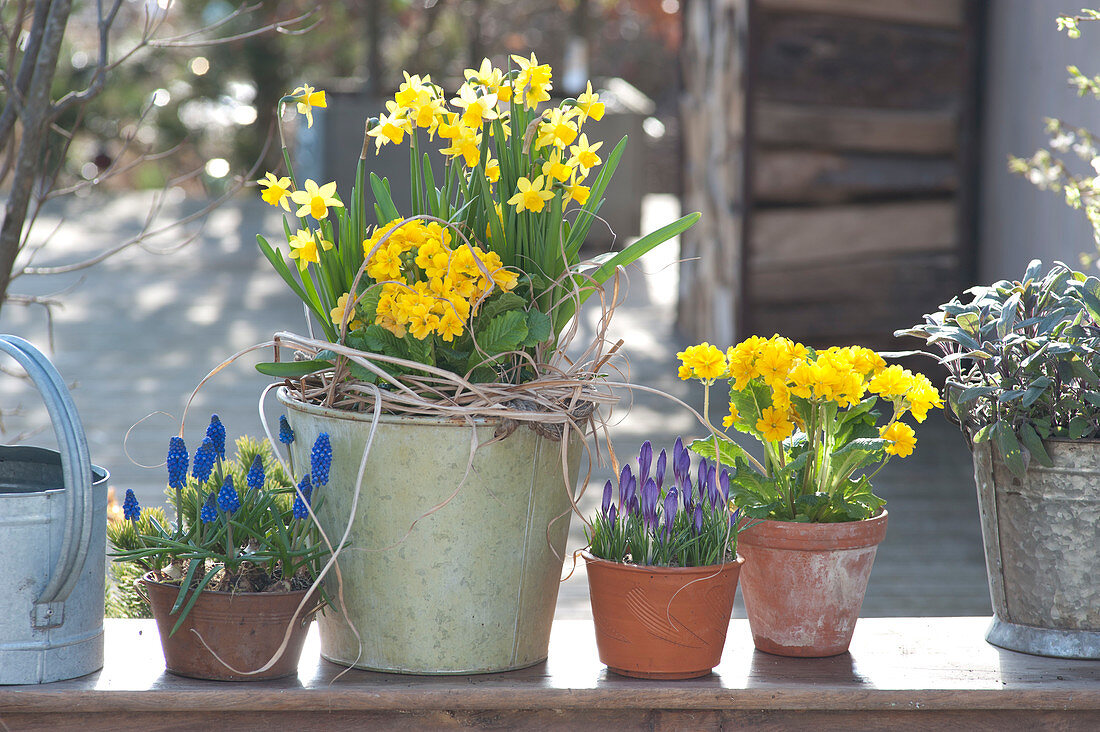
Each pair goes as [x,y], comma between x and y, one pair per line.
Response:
[467,588]
[53,524]
[1042,549]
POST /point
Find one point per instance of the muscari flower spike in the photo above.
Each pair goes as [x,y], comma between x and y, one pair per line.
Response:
[286,435]
[255,477]
[203,463]
[208,512]
[216,432]
[305,488]
[227,496]
[131,509]
[177,463]
[320,459]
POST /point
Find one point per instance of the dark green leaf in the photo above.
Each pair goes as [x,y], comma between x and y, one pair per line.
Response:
[1004,439]
[1034,445]
[292,369]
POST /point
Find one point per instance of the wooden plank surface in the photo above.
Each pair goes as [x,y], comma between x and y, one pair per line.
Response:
[840,234]
[781,124]
[895,665]
[947,13]
[817,177]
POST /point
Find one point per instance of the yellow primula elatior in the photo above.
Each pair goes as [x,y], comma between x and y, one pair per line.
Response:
[843,376]
[426,285]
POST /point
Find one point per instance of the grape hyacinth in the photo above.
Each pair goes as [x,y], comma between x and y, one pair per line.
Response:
[320,460]
[208,512]
[177,463]
[305,489]
[216,432]
[227,496]
[286,435]
[131,509]
[255,478]
[203,463]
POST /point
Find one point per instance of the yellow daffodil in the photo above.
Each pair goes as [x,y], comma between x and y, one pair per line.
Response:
[902,439]
[534,81]
[492,170]
[303,247]
[576,192]
[584,155]
[555,169]
[557,130]
[531,195]
[476,108]
[315,200]
[410,90]
[276,190]
[307,100]
[466,145]
[590,105]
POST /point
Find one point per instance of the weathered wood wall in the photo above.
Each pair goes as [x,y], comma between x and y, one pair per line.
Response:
[854,216]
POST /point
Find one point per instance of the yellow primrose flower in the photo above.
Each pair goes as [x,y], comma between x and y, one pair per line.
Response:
[449,326]
[275,190]
[685,372]
[531,196]
[584,155]
[922,396]
[315,200]
[902,439]
[307,100]
[558,130]
[891,381]
[730,419]
[337,314]
[590,105]
[477,109]
[774,425]
[303,247]
[706,361]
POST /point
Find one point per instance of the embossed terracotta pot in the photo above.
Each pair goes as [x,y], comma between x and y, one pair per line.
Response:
[804,583]
[661,622]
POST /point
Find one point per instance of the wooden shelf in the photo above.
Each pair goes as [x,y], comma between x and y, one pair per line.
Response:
[931,672]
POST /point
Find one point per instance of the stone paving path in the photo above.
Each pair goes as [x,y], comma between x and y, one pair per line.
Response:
[140,332]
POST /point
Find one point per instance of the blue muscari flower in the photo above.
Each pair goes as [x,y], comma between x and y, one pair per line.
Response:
[216,432]
[227,496]
[286,435]
[204,461]
[255,477]
[305,488]
[606,503]
[131,510]
[177,463]
[208,514]
[320,459]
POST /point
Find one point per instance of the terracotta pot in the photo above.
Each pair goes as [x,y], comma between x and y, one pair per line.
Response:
[661,622]
[804,583]
[245,629]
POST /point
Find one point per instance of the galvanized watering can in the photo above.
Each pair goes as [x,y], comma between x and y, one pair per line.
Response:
[53,525]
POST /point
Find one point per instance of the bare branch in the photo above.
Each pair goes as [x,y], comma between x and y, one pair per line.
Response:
[279,26]
[26,70]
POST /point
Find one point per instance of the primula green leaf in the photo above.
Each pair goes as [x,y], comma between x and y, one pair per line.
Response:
[377,339]
[868,445]
[501,334]
[502,303]
[539,328]
[1030,438]
[728,452]
[292,369]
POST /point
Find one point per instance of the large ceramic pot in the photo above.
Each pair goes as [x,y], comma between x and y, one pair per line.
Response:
[1042,549]
[454,557]
[661,622]
[803,583]
[244,629]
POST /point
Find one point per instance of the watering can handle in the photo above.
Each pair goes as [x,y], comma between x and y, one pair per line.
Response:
[77,469]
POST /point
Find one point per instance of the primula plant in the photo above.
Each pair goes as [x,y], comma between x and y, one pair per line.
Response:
[1023,359]
[686,523]
[241,523]
[482,274]
[815,414]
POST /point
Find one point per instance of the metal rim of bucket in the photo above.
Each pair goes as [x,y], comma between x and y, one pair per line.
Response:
[76,467]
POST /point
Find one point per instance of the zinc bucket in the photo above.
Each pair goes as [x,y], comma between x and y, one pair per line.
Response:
[453,564]
[53,524]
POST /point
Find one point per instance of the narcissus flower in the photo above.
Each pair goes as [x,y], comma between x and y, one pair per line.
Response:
[590,105]
[276,190]
[315,200]
[303,247]
[531,196]
[584,154]
[308,98]
[337,314]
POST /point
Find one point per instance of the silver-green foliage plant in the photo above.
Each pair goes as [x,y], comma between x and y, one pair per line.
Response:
[1046,169]
[1023,359]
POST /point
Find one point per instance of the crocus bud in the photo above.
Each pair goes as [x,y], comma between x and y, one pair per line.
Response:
[659,471]
[645,460]
[712,488]
[606,504]
[650,495]
[612,514]
[724,486]
[698,518]
[626,488]
[672,502]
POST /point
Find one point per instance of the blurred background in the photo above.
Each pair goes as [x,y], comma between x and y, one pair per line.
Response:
[849,158]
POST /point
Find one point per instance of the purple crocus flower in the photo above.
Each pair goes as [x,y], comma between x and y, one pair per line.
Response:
[612,514]
[698,518]
[659,471]
[701,481]
[672,502]
[626,488]
[606,504]
[645,460]
[712,488]
[650,495]
[724,486]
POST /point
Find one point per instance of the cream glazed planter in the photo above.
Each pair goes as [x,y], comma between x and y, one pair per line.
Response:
[467,588]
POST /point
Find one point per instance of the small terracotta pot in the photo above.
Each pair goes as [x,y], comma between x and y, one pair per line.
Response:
[245,629]
[661,622]
[804,583]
